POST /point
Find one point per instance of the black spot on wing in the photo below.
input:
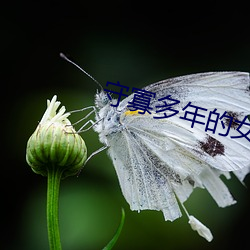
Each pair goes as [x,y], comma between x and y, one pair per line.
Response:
[191,181]
[212,146]
[248,89]
[235,116]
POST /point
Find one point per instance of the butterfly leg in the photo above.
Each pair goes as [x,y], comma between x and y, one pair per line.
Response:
[91,155]
[83,129]
[96,152]
[86,116]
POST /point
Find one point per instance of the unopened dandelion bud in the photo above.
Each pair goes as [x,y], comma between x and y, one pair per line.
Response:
[55,144]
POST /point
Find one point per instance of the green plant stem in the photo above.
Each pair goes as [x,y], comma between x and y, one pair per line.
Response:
[54,177]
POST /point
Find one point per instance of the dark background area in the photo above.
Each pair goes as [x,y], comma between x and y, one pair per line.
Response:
[136,43]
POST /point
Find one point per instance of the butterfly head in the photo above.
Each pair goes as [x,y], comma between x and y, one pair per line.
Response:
[101,99]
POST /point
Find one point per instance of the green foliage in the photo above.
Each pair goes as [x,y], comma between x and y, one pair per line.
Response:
[110,245]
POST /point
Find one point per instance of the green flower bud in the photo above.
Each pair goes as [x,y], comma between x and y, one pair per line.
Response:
[55,144]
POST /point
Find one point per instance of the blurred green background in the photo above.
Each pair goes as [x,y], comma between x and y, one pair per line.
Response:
[136,43]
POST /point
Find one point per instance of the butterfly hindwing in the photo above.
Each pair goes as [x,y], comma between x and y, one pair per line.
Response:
[142,184]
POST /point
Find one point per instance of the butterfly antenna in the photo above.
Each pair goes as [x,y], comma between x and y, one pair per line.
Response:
[68,60]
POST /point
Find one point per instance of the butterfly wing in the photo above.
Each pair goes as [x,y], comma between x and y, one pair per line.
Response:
[141,183]
[221,91]
[158,159]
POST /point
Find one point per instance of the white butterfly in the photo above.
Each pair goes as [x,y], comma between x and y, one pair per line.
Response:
[159,162]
